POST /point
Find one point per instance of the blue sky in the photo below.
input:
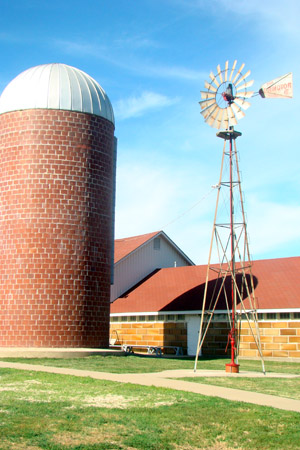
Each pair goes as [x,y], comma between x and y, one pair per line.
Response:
[152,58]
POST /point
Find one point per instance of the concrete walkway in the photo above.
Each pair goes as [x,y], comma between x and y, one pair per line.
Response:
[165,379]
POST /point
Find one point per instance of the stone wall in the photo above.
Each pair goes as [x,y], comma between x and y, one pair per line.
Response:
[279,339]
[156,333]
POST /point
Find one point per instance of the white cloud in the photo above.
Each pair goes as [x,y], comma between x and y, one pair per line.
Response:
[137,106]
[182,73]
[282,17]
[272,226]
[114,55]
[272,231]
[79,48]
[145,199]
[136,42]
[152,197]
[11,38]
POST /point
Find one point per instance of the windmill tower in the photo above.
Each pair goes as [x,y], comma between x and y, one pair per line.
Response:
[222,106]
[231,280]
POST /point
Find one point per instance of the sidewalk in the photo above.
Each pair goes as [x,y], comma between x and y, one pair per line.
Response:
[165,379]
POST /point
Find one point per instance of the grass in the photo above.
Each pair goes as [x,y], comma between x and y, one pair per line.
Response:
[282,387]
[42,411]
[143,364]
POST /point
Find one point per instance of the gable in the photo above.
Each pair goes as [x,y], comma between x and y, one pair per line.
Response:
[141,256]
[125,246]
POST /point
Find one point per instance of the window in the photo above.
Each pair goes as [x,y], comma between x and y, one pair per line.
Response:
[220,317]
[260,316]
[271,316]
[156,243]
[284,315]
[297,315]
[150,318]
[161,318]
[180,317]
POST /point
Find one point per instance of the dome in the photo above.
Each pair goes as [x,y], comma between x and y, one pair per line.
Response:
[56,86]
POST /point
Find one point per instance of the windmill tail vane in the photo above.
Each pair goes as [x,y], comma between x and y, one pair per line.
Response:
[281,87]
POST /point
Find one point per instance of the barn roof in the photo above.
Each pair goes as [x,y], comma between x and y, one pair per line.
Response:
[126,246]
[277,286]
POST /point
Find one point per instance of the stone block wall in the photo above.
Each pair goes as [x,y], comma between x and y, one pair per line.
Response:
[151,333]
[279,339]
[216,340]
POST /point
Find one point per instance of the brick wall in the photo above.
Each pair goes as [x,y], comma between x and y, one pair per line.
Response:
[55,225]
[151,333]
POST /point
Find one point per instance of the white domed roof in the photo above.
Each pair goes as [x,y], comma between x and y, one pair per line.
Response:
[56,86]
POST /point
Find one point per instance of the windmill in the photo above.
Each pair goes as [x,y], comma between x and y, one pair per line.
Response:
[231,281]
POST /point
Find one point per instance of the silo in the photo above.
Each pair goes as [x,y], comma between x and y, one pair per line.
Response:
[57,150]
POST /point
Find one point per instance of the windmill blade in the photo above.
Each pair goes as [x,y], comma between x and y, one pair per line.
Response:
[232,87]
[232,70]
[217,123]
[226,71]
[239,114]
[243,77]
[213,79]
[225,120]
[245,94]
[210,87]
[242,103]
[212,117]
[238,73]
[215,119]
[207,112]
[206,103]
[245,85]
[231,116]
[220,73]
[207,94]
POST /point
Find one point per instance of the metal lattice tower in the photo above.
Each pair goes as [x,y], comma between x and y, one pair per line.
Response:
[222,105]
[232,275]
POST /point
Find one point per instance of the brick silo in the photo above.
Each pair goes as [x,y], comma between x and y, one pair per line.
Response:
[57,150]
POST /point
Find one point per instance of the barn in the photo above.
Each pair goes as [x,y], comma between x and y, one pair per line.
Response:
[163,307]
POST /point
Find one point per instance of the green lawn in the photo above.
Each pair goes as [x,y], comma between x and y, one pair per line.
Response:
[142,364]
[282,387]
[49,411]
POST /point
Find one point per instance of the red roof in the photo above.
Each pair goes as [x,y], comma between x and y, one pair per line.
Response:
[127,245]
[277,286]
